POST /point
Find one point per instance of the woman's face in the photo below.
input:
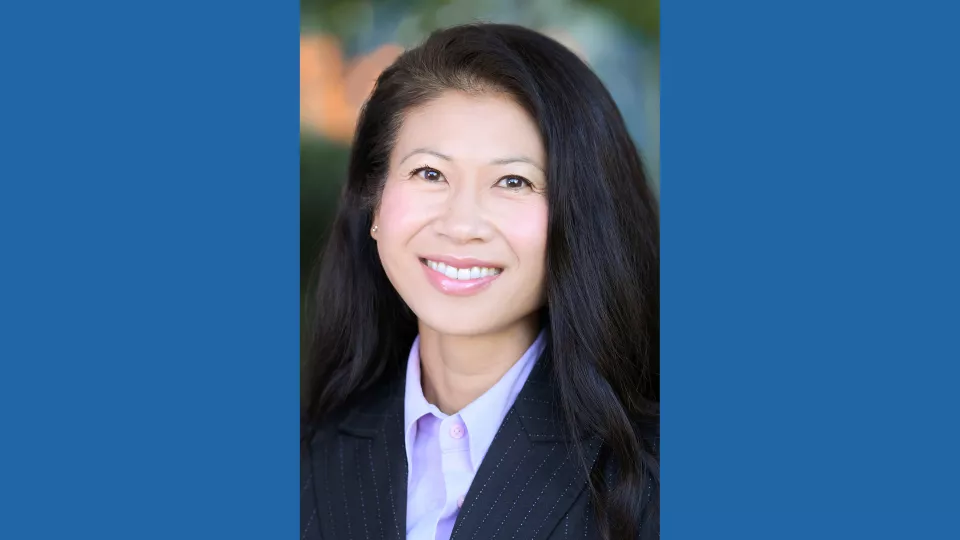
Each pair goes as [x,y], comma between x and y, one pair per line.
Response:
[461,227]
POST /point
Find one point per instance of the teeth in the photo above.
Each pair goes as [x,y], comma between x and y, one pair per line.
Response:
[462,273]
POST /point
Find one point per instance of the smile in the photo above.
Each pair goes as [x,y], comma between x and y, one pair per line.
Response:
[471,277]
[461,274]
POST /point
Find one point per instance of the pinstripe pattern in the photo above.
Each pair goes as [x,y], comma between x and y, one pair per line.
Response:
[376,490]
[363,507]
[343,482]
[500,494]
[394,509]
[306,529]
[530,486]
[519,497]
[327,496]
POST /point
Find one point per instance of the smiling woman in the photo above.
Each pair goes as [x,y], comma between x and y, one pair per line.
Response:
[486,350]
[475,199]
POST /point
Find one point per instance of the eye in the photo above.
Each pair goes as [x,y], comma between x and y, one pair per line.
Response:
[516,183]
[427,173]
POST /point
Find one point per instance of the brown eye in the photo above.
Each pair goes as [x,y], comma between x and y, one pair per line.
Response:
[428,174]
[515,183]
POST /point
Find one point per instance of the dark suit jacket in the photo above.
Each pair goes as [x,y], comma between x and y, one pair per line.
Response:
[530,485]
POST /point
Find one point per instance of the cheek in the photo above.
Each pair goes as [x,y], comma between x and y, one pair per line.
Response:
[395,228]
[400,215]
[393,207]
[527,234]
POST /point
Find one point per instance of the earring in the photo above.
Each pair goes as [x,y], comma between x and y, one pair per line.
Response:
[373,229]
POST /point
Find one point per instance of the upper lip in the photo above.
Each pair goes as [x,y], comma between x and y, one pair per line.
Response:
[461,262]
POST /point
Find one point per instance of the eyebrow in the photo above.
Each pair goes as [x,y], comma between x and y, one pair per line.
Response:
[517,159]
[426,151]
[501,161]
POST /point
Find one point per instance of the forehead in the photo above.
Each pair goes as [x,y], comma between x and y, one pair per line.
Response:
[471,127]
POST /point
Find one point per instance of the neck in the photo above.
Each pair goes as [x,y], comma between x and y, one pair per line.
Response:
[456,370]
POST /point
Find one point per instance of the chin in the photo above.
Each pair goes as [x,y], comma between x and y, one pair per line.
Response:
[457,326]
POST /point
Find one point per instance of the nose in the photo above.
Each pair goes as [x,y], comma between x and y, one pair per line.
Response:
[463,218]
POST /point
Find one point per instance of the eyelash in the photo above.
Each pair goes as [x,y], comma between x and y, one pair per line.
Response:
[526,183]
[419,170]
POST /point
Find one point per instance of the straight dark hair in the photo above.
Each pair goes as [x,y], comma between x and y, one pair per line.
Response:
[602,313]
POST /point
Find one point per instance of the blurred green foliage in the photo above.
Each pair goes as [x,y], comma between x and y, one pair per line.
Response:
[346,17]
[642,15]
[325,165]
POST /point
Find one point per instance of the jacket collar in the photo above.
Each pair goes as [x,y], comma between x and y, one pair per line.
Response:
[537,406]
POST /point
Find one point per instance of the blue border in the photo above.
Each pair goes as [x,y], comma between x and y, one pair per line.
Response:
[148,217]
[810,270]
[149,187]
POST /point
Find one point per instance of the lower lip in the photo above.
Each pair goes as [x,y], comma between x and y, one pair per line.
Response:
[457,287]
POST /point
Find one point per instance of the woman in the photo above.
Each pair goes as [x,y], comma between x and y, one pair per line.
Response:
[487,337]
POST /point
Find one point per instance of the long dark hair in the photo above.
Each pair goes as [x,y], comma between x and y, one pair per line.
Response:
[603,264]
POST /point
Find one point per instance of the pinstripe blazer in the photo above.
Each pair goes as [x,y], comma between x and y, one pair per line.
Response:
[530,485]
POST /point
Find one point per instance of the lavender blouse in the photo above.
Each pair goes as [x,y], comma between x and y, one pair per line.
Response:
[444,452]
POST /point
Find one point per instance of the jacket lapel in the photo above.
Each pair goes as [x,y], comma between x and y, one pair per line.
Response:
[527,482]
[362,482]
[531,475]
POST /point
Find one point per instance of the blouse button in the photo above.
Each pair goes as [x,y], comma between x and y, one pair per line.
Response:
[456,431]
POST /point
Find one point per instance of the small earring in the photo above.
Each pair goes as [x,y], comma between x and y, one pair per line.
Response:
[373,229]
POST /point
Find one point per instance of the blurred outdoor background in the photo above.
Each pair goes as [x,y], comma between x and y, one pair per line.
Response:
[345,44]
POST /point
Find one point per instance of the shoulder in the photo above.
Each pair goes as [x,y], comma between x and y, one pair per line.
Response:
[315,432]
[363,415]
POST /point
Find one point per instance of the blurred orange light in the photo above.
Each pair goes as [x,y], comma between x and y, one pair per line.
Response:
[330,93]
